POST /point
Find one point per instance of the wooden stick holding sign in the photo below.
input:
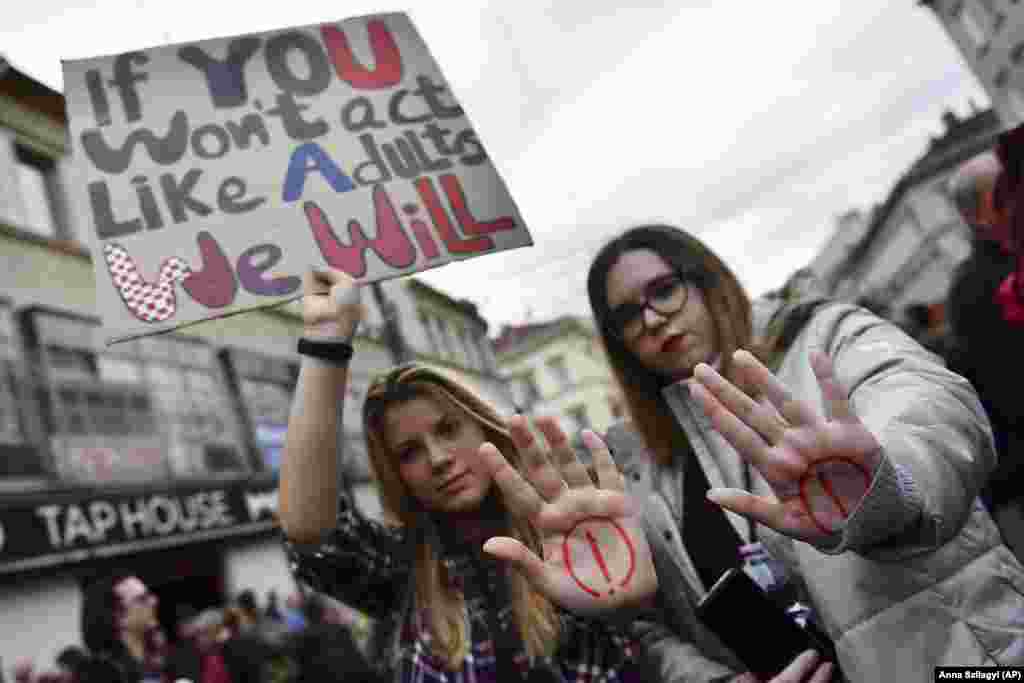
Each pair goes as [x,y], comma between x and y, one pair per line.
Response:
[211,174]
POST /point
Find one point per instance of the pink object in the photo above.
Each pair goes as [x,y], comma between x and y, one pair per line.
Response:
[148,301]
[23,671]
[1010,298]
[214,669]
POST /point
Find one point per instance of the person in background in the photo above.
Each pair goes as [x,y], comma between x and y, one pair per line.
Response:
[985,309]
[209,636]
[249,647]
[431,440]
[294,613]
[273,610]
[249,611]
[70,660]
[24,671]
[121,630]
[327,651]
[828,435]
[926,325]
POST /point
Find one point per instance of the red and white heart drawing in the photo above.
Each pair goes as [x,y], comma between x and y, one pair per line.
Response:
[149,302]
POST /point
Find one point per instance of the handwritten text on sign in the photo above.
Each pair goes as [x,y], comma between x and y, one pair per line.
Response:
[225,168]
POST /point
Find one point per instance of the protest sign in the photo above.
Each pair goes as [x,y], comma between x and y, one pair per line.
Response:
[213,174]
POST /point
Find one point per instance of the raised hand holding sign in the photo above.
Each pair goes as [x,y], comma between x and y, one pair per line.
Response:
[211,174]
[596,558]
[819,466]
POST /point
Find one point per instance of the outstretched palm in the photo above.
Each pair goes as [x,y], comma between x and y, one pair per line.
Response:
[595,556]
[819,467]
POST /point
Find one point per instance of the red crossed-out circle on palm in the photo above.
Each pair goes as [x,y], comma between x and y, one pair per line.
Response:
[598,556]
[815,474]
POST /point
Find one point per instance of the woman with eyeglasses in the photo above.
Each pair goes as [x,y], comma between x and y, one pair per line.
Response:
[826,434]
[448,470]
[125,641]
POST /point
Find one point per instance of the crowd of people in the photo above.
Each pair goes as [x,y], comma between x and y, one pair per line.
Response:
[306,639]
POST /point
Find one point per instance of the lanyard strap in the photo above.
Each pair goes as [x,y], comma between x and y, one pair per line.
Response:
[748,485]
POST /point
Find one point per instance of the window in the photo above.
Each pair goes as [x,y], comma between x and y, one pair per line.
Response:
[1002,78]
[579,416]
[560,370]
[435,347]
[483,350]
[446,338]
[71,364]
[91,409]
[352,408]
[112,369]
[196,413]
[138,411]
[978,22]
[575,421]
[466,342]
[955,246]
[526,391]
[18,456]
[268,404]
[1016,100]
[36,182]
[266,385]
[11,430]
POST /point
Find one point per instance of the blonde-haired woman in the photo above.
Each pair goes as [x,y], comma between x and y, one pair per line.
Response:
[437,450]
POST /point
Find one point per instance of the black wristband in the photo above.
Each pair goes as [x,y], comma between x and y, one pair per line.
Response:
[334,352]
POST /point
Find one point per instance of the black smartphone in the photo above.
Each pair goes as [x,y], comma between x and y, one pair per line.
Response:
[761,634]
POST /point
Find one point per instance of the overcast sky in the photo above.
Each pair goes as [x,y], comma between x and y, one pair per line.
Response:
[751,124]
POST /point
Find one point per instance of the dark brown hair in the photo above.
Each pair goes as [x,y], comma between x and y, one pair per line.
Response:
[726,301]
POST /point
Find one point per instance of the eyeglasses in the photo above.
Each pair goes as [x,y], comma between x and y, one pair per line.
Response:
[665,296]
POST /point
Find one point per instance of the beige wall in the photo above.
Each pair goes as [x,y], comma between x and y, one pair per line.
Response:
[590,382]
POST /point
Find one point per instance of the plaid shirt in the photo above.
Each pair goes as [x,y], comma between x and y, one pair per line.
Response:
[367,564]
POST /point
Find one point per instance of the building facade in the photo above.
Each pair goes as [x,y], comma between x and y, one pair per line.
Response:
[559,368]
[157,456]
[850,229]
[915,239]
[990,36]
